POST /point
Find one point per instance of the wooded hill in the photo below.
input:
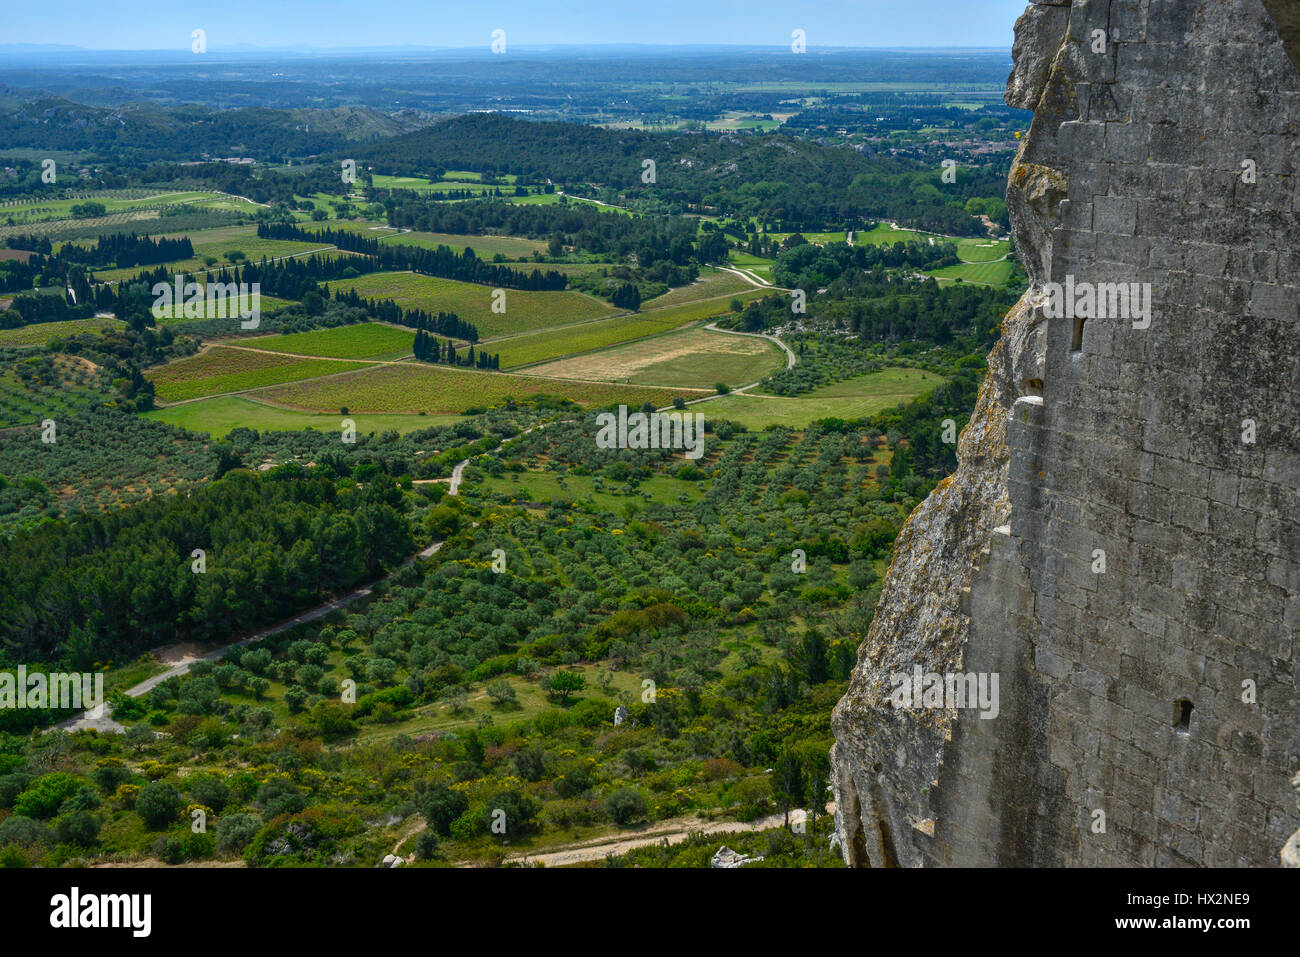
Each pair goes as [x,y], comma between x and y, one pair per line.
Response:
[155,131]
[779,179]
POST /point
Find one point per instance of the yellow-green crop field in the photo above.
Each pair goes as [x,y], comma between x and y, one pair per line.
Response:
[524,310]
[222,369]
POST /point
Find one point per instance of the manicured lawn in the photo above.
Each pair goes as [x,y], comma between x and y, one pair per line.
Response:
[987,274]
[421,185]
[982,250]
[885,234]
[821,239]
[756,264]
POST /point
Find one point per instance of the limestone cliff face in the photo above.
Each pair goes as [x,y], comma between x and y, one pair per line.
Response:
[1149,712]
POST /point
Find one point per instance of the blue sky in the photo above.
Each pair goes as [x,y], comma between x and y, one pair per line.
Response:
[162,24]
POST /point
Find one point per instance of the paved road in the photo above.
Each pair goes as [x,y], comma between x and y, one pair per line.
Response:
[749,277]
[457,474]
[790,357]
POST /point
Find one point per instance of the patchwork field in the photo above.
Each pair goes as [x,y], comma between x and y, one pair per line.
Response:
[527,349]
[42,332]
[218,416]
[473,303]
[215,243]
[696,358]
[55,216]
[411,387]
[852,399]
[176,313]
[113,201]
[222,369]
[368,340]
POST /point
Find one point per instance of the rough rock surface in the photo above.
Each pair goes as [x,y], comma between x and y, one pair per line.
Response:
[1291,851]
[726,858]
[1150,712]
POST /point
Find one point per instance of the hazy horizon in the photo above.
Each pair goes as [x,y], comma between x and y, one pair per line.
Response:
[155,25]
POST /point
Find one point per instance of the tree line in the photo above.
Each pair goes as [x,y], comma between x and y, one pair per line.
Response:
[431,349]
[442,262]
[120,582]
[123,250]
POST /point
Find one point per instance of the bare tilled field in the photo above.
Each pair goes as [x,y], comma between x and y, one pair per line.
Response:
[692,358]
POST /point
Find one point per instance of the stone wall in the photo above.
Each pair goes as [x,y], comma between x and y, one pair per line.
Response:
[1150,711]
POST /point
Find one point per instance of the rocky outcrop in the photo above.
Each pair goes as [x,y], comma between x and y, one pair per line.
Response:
[1119,543]
[1291,850]
[727,859]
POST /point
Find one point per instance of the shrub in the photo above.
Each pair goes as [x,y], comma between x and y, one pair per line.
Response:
[234,832]
[625,806]
[501,692]
[158,804]
[427,846]
[169,850]
[209,791]
[80,828]
[441,807]
[46,795]
[110,774]
[21,830]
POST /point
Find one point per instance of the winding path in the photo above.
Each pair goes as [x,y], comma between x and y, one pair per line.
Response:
[100,718]
[790,360]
